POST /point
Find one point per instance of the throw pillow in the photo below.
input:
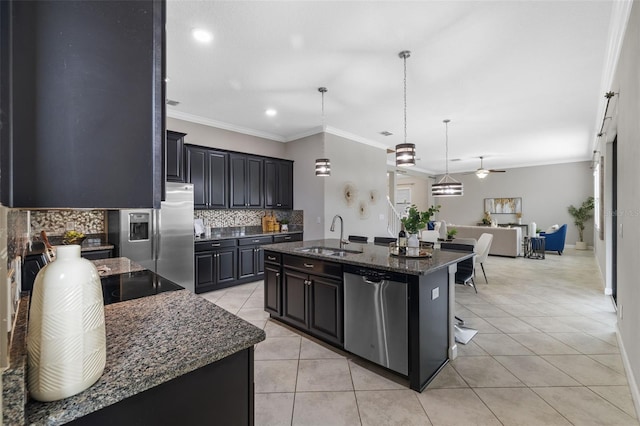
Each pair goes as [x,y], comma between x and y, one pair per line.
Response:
[552,229]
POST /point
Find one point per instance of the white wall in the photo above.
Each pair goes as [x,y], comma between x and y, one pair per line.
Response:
[200,134]
[546,192]
[308,189]
[365,167]
[627,84]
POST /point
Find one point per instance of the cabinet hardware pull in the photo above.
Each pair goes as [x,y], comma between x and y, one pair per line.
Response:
[256,241]
[308,265]
[277,274]
[271,257]
[287,237]
[215,245]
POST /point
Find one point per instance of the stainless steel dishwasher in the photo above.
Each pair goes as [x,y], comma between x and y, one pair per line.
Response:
[375,317]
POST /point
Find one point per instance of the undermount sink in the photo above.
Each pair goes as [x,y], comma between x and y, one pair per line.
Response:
[329,251]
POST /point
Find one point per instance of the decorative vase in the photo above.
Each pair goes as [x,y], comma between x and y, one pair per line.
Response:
[413,241]
[284,227]
[581,245]
[66,343]
[519,221]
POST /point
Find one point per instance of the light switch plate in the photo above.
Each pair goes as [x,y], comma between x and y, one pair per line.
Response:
[435,293]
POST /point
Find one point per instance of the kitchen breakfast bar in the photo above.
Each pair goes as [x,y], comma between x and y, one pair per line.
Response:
[397,312]
[172,358]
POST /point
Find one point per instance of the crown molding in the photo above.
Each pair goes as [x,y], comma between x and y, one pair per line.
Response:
[222,125]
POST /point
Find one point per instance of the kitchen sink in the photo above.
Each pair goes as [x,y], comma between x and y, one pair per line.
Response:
[328,251]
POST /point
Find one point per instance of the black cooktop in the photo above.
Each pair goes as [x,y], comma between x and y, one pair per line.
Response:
[134,285]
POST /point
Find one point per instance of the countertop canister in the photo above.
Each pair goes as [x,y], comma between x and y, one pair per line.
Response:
[66,341]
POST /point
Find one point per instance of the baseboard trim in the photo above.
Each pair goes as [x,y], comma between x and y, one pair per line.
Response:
[633,385]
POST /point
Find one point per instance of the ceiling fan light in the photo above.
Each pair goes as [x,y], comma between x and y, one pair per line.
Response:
[482,173]
[323,167]
[405,155]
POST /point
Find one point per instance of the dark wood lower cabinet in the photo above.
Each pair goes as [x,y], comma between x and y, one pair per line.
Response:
[221,393]
[313,303]
[215,269]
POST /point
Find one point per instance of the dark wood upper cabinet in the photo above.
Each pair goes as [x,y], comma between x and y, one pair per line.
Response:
[207,170]
[87,103]
[246,185]
[278,184]
[175,156]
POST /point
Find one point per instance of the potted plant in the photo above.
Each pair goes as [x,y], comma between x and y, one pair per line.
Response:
[451,233]
[417,220]
[284,225]
[486,219]
[580,216]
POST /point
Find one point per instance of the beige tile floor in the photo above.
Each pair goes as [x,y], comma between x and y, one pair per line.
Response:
[545,354]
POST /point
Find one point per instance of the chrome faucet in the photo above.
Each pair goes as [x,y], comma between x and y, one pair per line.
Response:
[333,228]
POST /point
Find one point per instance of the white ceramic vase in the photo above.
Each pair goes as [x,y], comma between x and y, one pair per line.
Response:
[66,341]
[413,241]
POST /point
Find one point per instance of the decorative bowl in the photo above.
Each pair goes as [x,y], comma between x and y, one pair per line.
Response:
[73,237]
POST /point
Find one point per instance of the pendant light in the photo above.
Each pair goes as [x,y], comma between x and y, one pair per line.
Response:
[447,186]
[405,152]
[323,165]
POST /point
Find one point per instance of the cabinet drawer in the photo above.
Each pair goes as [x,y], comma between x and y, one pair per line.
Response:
[255,241]
[313,266]
[287,238]
[272,257]
[214,244]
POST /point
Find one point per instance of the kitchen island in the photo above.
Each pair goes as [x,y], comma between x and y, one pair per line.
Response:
[308,283]
[172,358]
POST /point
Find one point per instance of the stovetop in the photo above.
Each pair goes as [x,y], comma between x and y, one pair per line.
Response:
[134,285]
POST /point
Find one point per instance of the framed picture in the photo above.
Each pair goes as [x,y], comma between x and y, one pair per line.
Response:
[503,205]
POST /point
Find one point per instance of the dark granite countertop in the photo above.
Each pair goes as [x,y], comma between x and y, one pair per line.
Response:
[373,256]
[249,231]
[149,341]
[116,265]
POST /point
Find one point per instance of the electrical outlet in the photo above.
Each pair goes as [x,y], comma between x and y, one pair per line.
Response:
[318,220]
[435,293]
[620,311]
[70,226]
[381,217]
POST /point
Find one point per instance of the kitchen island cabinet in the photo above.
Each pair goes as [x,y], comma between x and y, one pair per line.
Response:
[429,298]
[172,358]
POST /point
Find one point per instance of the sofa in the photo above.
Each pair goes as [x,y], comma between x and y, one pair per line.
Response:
[506,241]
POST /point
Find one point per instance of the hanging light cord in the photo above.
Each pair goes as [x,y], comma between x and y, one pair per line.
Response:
[322,90]
[446,147]
[404,56]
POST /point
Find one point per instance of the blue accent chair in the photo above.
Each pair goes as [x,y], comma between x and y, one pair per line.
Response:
[555,240]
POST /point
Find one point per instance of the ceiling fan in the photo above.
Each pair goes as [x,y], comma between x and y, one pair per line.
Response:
[482,172]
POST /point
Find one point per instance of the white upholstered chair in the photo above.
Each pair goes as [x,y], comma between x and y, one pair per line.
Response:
[482,251]
[430,236]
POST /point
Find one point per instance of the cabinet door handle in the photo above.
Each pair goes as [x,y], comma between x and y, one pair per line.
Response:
[308,265]
[256,241]
[215,245]
[287,237]
[277,274]
[271,258]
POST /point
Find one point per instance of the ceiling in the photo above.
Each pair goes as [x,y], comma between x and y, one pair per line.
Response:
[521,81]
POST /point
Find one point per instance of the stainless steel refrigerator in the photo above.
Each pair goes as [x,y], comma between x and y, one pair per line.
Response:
[160,240]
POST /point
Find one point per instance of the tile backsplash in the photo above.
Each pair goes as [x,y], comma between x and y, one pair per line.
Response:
[57,222]
[227,218]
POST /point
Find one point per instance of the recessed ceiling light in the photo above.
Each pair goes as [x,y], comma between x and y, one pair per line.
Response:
[203,36]
[271,112]
[386,133]
[172,102]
